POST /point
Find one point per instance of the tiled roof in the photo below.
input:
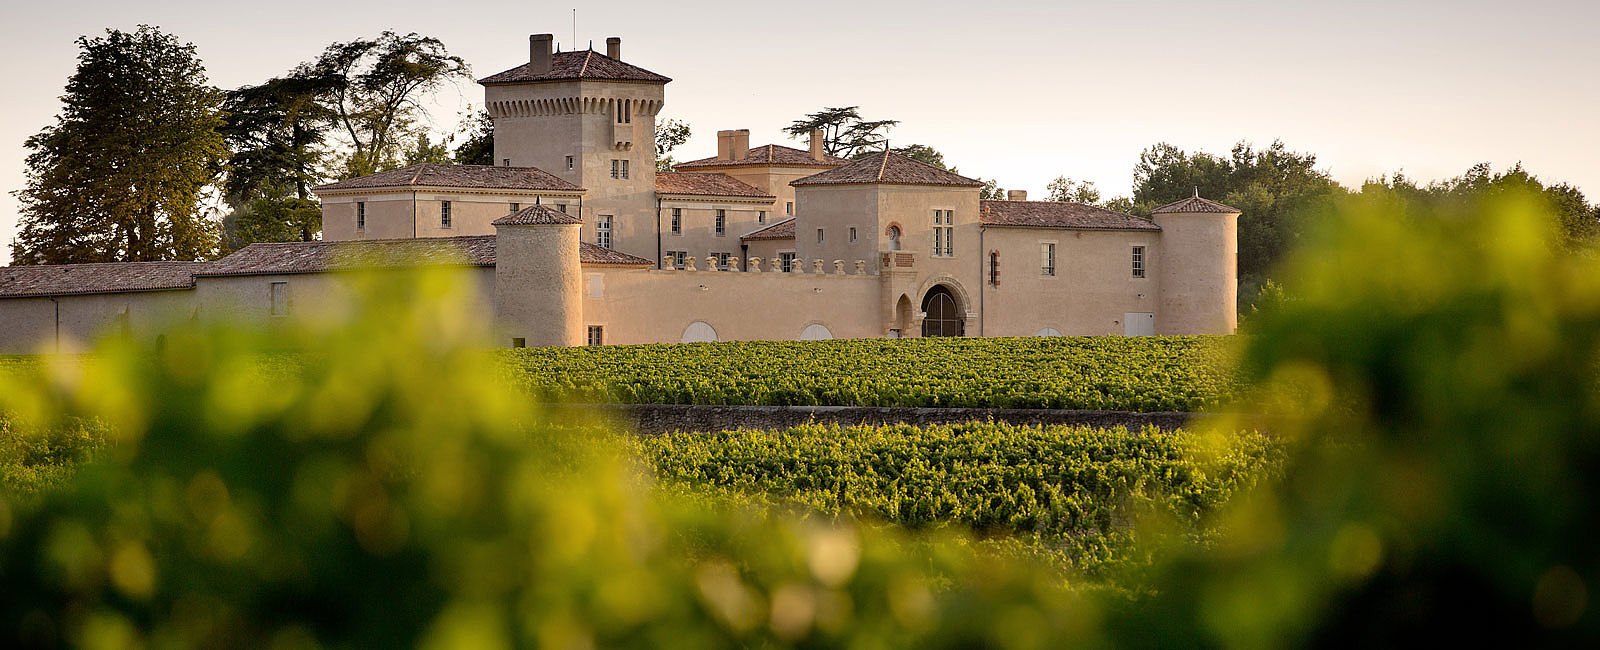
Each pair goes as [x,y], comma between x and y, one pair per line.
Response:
[110,277]
[463,176]
[582,64]
[770,154]
[888,168]
[594,254]
[706,184]
[1053,214]
[1194,204]
[781,230]
[534,215]
[323,256]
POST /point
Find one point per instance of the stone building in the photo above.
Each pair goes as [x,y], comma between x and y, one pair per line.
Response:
[574,238]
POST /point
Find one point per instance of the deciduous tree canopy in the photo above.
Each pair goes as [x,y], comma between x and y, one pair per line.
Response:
[121,174]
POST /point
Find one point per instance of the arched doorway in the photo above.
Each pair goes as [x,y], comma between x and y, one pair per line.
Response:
[941,315]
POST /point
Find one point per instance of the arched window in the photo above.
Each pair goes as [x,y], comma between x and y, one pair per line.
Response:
[894,238]
[698,332]
[1048,331]
[941,316]
[816,332]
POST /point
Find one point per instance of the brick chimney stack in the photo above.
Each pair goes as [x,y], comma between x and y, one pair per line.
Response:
[1016,195]
[725,145]
[741,144]
[614,47]
[539,52]
[816,145]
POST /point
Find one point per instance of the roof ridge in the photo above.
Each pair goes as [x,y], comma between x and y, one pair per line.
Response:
[884,166]
[586,58]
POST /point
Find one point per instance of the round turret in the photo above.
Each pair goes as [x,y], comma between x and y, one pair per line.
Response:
[1198,267]
[538,278]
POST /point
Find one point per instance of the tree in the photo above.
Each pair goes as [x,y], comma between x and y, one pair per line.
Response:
[276,131]
[121,174]
[477,146]
[1278,190]
[375,90]
[1066,190]
[992,191]
[425,151]
[844,133]
[271,220]
[923,154]
[1577,222]
[670,134]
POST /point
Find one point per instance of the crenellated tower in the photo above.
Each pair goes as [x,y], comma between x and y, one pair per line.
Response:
[588,118]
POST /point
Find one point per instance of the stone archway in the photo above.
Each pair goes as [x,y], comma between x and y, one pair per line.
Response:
[903,316]
[942,314]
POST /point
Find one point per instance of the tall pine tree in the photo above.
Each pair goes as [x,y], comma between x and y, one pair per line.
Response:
[121,174]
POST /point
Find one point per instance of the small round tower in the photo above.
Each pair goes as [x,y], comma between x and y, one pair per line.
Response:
[1198,267]
[538,278]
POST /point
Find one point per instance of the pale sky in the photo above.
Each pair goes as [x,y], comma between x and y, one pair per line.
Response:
[1019,91]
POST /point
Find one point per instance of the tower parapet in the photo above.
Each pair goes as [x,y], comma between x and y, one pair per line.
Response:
[1198,267]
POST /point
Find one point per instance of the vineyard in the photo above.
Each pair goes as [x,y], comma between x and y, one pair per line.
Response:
[1069,488]
[1100,373]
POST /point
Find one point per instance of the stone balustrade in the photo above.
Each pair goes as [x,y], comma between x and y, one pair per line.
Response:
[753,264]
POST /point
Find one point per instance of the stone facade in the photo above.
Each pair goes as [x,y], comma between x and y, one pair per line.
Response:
[572,238]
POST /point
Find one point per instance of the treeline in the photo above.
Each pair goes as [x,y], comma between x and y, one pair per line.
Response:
[146,152]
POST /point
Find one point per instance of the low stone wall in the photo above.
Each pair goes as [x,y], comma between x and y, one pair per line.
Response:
[654,419]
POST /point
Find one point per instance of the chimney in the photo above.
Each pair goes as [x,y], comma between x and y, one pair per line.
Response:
[539,52]
[816,145]
[614,47]
[1016,195]
[725,145]
[741,144]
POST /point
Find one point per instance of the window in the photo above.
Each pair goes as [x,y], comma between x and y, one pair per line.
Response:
[788,208]
[624,112]
[819,235]
[571,163]
[722,261]
[361,215]
[624,169]
[1138,261]
[515,207]
[1047,258]
[444,214]
[852,235]
[602,231]
[519,342]
[943,233]
[562,207]
[786,262]
[761,216]
[722,223]
[597,335]
[616,168]
[505,162]
[679,258]
[677,221]
[280,299]
[994,268]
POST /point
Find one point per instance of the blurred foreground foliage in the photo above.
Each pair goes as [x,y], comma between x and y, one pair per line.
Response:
[1432,382]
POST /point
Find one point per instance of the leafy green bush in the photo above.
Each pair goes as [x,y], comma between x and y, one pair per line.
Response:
[1073,489]
[1102,373]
